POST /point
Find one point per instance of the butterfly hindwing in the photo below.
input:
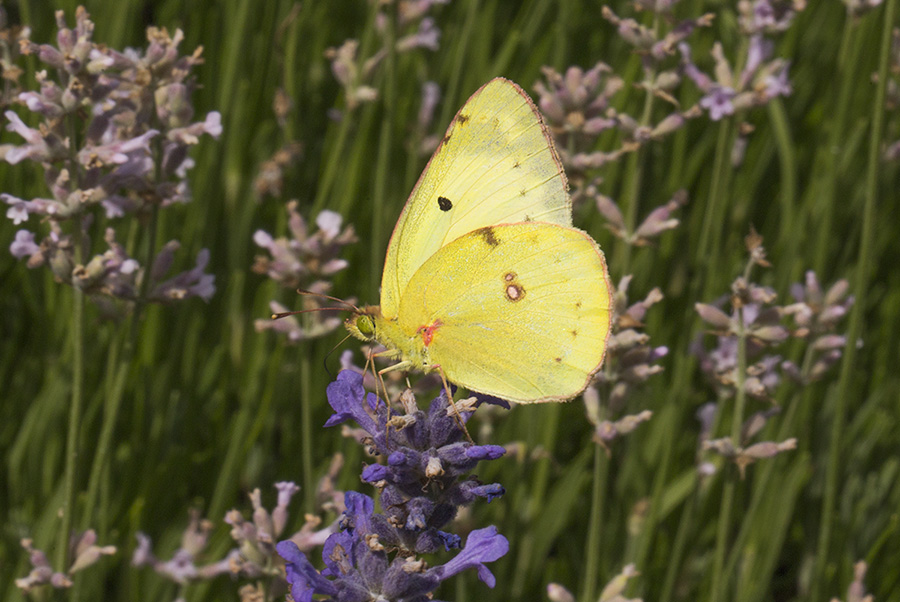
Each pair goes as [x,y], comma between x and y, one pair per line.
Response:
[518,311]
[496,164]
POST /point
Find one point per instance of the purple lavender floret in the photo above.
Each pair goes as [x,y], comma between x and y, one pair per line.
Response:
[358,566]
[420,481]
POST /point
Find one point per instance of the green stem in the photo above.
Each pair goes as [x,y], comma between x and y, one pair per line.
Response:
[306,441]
[676,556]
[595,526]
[549,435]
[860,287]
[822,205]
[383,164]
[766,471]
[335,163]
[72,443]
[117,369]
[787,235]
[719,579]
[710,233]
[635,168]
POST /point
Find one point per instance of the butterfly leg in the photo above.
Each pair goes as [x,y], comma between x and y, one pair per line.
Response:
[404,365]
[377,374]
[456,414]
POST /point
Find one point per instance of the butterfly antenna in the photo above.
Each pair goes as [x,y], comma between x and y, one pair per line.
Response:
[284,314]
[325,360]
[349,305]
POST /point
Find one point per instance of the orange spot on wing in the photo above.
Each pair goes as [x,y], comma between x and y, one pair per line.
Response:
[428,331]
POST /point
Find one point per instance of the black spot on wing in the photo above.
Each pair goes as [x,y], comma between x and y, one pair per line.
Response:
[444,203]
[462,118]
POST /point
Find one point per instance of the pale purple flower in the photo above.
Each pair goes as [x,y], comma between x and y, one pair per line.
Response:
[24,245]
[758,51]
[116,152]
[181,567]
[431,96]
[329,222]
[35,148]
[117,206]
[718,102]
[778,84]
[40,103]
[700,79]
[767,16]
[193,283]
[428,36]
[18,210]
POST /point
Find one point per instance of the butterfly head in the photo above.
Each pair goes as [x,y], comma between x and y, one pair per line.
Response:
[361,323]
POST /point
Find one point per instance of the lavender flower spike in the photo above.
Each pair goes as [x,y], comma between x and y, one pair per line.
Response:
[357,566]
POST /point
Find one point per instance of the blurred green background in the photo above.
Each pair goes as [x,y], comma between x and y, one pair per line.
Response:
[212,408]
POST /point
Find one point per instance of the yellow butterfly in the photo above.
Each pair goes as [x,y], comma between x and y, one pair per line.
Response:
[485,279]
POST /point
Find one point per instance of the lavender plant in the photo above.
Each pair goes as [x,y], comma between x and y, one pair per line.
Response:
[113,142]
[630,362]
[755,78]
[579,108]
[741,368]
[254,556]
[753,327]
[380,555]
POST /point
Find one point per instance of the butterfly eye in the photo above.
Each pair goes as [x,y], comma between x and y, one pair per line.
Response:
[366,326]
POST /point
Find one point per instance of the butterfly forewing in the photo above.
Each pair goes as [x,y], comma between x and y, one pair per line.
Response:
[496,164]
[518,311]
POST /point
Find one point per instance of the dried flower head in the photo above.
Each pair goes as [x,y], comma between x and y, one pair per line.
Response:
[578,105]
[630,362]
[83,549]
[307,260]
[858,8]
[744,456]
[612,591]
[357,74]
[658,221]
[12,37]
[816,314]
[856,592]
